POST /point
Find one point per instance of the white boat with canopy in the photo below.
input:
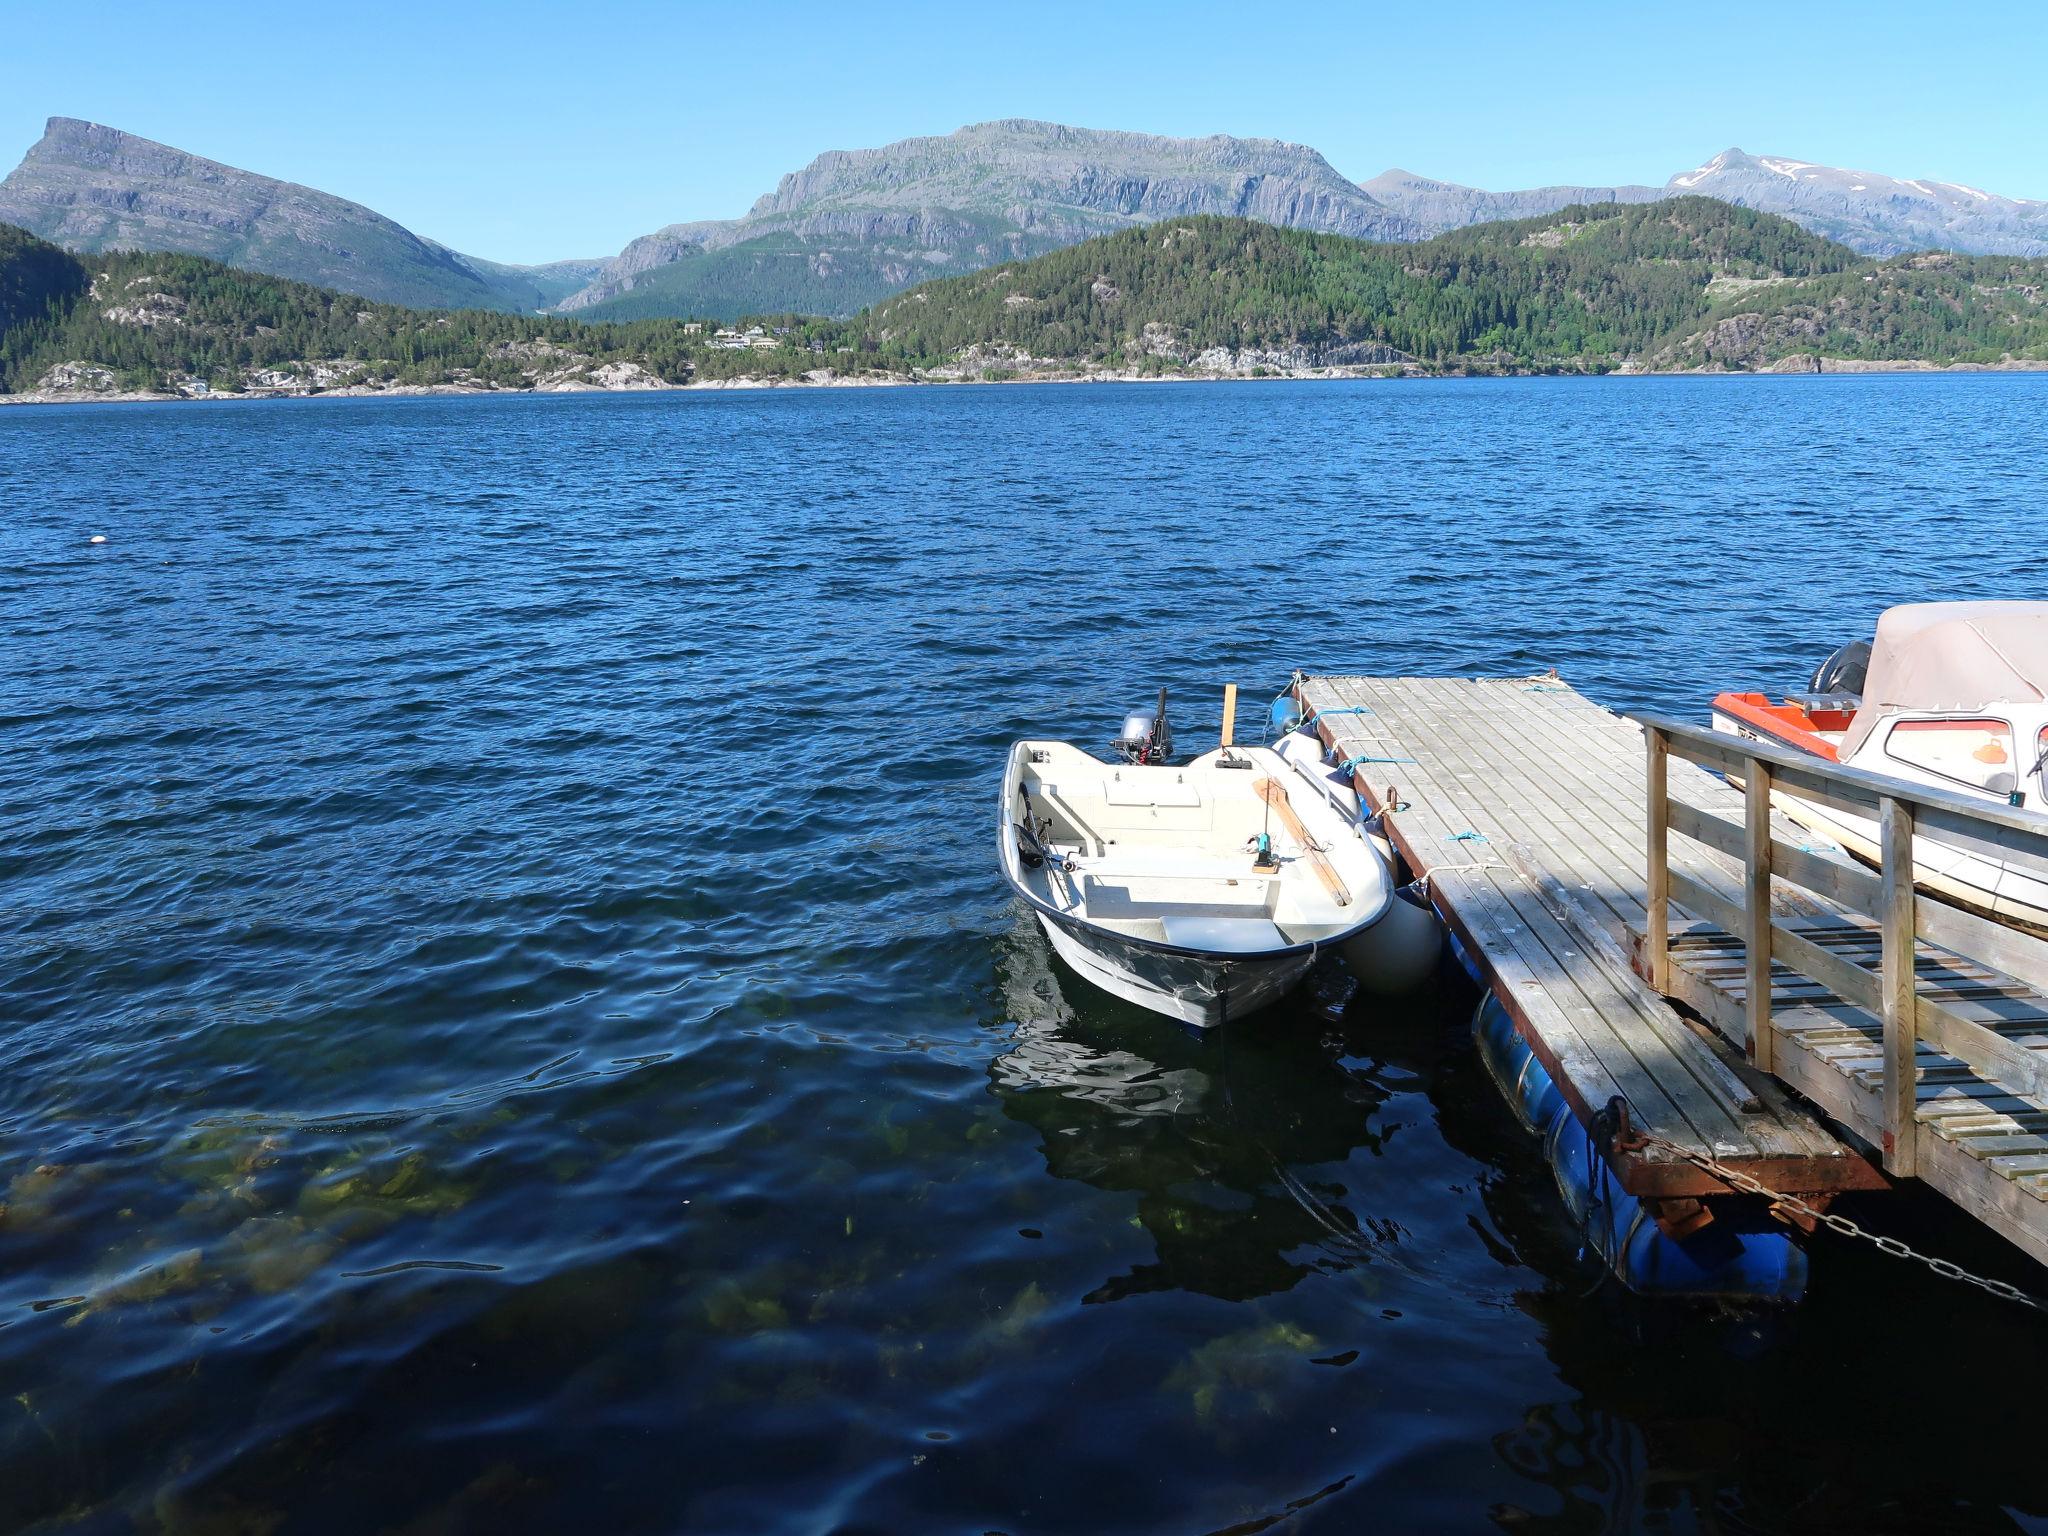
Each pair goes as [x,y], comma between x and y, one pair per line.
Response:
[1953,695]
[1202,891]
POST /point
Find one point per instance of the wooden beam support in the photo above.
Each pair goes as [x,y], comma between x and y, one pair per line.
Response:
[1897,987]
[1657,935]
[1756,913]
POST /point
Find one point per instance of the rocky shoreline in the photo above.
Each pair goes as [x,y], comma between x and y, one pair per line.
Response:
[829,379]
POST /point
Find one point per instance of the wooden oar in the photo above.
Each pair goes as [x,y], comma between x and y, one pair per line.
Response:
[1274,793]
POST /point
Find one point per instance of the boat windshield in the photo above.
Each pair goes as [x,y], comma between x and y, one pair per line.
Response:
[1972,751]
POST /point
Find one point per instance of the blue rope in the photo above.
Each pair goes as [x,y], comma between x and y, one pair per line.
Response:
[1309,717]
[1465,837]
[1350,763]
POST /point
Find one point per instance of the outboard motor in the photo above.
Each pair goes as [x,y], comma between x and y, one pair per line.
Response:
[1843,672]
[1146,737]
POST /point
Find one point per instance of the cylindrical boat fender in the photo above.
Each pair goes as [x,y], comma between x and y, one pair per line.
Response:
[1514,1068]
[1463,956]
[1717,1260]
[1398,953]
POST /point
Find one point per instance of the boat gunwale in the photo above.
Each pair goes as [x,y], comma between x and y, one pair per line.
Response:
[1007,829]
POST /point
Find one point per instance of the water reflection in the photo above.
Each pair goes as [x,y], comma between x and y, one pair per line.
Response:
[1220,1138]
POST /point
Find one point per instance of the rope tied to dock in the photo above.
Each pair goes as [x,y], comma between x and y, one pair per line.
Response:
[1625,1138]
[1351,763]
[1281,721]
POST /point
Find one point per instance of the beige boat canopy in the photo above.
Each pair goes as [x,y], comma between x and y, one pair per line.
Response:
[1951,656]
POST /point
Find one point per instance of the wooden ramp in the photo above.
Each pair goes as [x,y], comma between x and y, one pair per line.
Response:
[1526,805]
[1522,804]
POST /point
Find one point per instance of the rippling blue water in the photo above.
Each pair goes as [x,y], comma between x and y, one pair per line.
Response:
[509,1019]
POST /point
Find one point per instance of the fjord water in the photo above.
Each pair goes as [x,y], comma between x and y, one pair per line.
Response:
[509,1019]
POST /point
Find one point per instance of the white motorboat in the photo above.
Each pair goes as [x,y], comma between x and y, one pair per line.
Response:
[1953,695]
[1203,891]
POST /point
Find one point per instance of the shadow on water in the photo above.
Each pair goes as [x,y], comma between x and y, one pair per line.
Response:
[1219,1138]
[1239,1153]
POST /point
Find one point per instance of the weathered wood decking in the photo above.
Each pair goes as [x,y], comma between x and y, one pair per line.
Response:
[1524,805]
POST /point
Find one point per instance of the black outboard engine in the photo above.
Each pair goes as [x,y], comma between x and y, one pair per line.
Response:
[1843,672]
[1146,737]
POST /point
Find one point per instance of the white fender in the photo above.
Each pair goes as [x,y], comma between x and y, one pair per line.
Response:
[1398,953]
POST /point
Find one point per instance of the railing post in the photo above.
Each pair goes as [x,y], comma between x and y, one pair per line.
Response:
[1756,914]
[1897,987]
[1657,930]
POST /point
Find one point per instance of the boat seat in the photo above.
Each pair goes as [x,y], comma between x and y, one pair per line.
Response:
[1223,935]
[1134,865]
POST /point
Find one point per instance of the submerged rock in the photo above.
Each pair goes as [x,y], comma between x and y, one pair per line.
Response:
[43,1193]
[1243,1373]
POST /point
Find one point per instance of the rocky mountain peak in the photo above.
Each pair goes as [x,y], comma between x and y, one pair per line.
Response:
[1876,214]
[856,224]
[90,187]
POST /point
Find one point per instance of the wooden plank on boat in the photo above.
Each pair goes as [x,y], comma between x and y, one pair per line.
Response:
[1274,793]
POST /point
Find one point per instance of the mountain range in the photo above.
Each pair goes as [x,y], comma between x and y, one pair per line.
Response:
[91,188]
[855,226]
[1682,283]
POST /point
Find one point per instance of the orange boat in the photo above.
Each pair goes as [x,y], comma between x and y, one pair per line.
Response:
[1953,695]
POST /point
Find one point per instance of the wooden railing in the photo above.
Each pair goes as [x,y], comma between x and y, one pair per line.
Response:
[1893,812]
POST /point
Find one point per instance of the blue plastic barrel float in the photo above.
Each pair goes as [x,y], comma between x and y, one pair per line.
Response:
[1721,1259]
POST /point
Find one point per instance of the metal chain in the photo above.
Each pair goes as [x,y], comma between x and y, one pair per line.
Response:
[1735,1178]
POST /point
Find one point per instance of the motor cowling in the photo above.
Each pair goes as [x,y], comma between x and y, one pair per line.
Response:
[1844,671]
[1146,737]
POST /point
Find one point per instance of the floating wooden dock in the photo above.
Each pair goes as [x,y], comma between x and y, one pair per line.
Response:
[1528,810]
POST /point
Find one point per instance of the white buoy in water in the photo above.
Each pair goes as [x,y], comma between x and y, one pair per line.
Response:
[98,538]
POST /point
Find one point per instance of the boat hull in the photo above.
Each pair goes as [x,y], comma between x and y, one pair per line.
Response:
[2003,892]
[1197,989]
[1212,939]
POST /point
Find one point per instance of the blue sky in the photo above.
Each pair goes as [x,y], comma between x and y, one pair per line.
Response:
[527,131]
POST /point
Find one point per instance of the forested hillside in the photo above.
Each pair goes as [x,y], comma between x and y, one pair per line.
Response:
[150,321]
[36,279]
[1681,283]
[1587,284]
[1590,287]
[1934,306]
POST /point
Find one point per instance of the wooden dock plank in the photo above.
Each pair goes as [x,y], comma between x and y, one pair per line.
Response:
[1506,795]
[1502,843]
[1696,1088]
[1555,785]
